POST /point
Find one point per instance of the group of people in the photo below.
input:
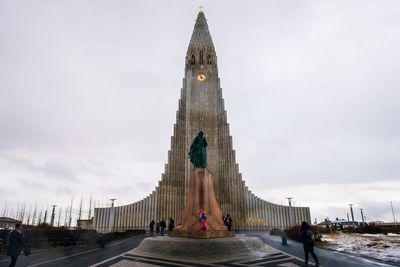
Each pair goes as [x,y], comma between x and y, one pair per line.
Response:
[160,226]
[227,221]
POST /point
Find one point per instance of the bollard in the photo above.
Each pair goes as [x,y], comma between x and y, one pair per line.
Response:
[284,238]
[102,241]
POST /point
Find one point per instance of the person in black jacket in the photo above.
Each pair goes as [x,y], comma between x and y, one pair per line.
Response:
[15,244]
[151,225]
[171,225]
[158,226]
[228,222]
[307,238]
[163,224]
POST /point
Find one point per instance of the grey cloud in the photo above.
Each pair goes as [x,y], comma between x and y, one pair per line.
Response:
[58,169]
[116,190]
[23,163]
[380,188]
[5,191]
[145,186]
[374,210]
[66,191]
[53,169]
[33,184]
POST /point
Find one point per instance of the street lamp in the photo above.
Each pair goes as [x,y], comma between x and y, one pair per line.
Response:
[362,217]
[290,210]
[352,214]
[111,216]
[52,215]
[112,202]
[394,218]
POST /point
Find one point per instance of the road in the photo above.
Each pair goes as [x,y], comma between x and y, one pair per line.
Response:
[75,256]
[118,250]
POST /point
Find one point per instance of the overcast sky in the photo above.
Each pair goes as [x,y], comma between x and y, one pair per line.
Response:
[89,92]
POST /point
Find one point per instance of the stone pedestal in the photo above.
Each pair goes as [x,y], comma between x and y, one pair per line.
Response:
[201,196]
[204,249]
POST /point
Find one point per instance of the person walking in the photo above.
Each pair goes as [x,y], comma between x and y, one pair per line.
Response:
[151,225]
[171,224]
[162,226]
[15,244]
[307,238]
[158,226]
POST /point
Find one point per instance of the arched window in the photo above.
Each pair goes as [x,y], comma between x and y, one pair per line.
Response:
[209,59]
[201,62]
[193,60]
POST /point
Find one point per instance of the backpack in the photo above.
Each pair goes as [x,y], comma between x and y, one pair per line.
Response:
[310,236]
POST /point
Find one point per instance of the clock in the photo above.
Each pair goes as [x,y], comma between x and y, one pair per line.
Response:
[201,77]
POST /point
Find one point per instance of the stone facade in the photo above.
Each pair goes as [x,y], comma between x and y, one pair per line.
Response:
[201,107]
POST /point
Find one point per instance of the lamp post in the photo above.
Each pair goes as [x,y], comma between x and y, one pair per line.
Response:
[112,202]
[52,215]
[111,217]
[352,214]
[362,217]
[290,211]
[394,219]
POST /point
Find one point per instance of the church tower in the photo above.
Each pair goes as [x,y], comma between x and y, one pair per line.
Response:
[205,111]
[203,95]
[201,107]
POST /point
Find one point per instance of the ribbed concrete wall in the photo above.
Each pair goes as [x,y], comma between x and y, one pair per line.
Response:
[259,215]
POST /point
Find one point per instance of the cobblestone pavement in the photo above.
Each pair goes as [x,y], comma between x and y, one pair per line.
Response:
[270,260]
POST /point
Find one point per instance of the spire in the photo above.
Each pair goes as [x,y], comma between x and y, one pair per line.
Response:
[201,36]
[201,47]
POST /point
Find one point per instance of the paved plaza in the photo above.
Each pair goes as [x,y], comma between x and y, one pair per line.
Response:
[275,254]
[273,259]
[119,253]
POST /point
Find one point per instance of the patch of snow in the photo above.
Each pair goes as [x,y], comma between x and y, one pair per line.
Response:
[393,234]
[382,247]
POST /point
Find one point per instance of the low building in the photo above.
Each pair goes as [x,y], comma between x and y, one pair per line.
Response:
[7,223]
[339,224]
[84,224]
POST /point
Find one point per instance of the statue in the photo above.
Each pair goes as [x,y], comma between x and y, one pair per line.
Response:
[201,205]
[198,152]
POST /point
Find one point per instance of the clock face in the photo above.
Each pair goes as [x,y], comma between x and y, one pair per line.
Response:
[201,77]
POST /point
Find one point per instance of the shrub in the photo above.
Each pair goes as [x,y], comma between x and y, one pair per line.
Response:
[294,233]
[275,231]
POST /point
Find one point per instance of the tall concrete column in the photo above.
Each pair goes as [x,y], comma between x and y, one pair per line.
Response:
[125,218]
[129,223]
[141,213]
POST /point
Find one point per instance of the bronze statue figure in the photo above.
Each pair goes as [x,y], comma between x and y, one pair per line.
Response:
[198,152]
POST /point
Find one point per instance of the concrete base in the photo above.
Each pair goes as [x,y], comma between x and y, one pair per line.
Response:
[200,249]
[202,234]
[201,195]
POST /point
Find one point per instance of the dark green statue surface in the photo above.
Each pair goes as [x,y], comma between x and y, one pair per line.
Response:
[198,152]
